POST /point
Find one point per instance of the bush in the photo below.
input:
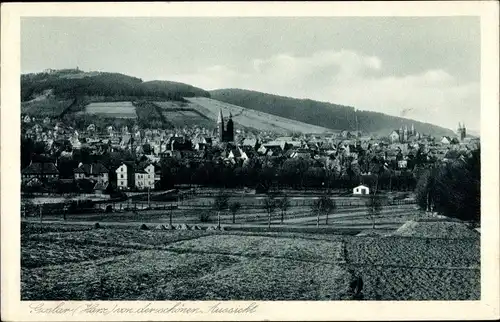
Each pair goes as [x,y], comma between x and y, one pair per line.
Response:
[80,206]
[205,216]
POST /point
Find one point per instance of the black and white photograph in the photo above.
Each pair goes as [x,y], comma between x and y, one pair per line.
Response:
[258,158]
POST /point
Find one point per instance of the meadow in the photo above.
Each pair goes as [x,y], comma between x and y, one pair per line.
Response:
[181,114]
[124,110]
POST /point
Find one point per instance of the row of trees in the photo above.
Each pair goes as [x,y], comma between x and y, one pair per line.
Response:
[323,206]
[272,202]
[264,172]
[452,189]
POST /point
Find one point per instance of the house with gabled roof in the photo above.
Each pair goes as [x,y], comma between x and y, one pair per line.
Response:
[301,154]
[92,171]
[361,190]
[237,154]
[145,176]
[445,140]
[39,170]
[253,143]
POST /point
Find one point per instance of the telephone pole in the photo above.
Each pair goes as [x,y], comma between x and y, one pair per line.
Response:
[148,196]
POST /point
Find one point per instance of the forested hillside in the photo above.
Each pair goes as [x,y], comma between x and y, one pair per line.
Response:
[323,114]
[69,84]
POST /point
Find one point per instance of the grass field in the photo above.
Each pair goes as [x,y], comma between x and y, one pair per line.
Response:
[181,114]
[251,118]
[124,110]
[68,262]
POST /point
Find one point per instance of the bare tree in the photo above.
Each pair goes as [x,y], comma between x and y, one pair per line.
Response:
[323,206]
[330,207]
[374,206]
[270,206]
[234,207]
[284,205]
[221,203]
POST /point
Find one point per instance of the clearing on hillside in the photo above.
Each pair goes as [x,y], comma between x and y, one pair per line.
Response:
[45,106]
[251,118]
[124,110]
[181,114]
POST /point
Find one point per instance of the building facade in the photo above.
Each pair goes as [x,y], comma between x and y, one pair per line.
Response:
[145,177]
[122,177]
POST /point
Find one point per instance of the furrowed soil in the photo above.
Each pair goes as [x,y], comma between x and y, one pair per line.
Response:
[71,262]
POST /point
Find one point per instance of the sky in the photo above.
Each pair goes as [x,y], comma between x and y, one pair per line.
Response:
[424,68]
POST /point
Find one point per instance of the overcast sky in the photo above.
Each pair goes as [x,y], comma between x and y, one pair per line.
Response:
[427,69]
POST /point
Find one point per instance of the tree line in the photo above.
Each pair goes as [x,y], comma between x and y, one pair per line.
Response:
[452,189]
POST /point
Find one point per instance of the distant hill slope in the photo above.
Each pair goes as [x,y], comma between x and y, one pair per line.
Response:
[69,84]
[328,115]
[250,119]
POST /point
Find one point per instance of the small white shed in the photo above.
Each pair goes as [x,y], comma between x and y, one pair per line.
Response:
[361,190]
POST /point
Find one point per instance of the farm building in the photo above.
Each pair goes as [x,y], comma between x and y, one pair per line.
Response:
[40,171]
[361,190]
[93,171]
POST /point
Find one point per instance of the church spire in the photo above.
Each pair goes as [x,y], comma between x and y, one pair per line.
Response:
[220,119]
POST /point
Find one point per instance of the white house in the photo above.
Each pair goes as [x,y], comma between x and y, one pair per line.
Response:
[121,177]
[361,190]
[145,178]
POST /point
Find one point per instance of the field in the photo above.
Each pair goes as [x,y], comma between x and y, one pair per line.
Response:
[251,118]
[76,262]
[124,110]
[198,111]
[201,111]
[352,219]
[180,114]
[350,214]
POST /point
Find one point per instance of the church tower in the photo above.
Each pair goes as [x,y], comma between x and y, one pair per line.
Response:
[230,129]
[461,132]
[220,127]
[405,134]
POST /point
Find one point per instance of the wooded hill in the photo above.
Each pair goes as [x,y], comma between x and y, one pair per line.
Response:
[63,92]
[332,116]
[69,84]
